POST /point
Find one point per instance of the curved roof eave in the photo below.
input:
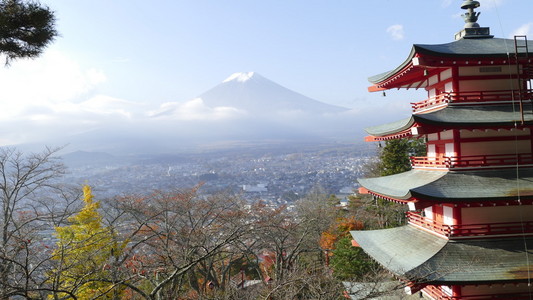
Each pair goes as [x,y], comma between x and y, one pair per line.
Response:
[391,128]
[476,115]
[396,249]
[479,185]
[386,75]
[421,256]
[399,186]
[454,186]
[458,116]
[481,47]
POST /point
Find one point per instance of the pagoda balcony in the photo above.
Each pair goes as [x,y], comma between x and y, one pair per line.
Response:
[470,230]
[444,99]
[472,161]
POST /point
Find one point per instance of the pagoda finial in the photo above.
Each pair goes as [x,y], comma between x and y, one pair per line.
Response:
[472,28]
[470,16]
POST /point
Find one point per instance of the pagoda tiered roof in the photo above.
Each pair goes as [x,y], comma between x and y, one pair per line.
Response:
[417,255]
[459,187]
[463,52]
[461,116]
[476,124]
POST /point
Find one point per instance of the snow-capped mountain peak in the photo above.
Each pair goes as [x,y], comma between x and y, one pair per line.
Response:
[240,77]
[259,96]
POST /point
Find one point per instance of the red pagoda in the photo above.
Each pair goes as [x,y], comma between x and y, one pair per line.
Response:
[470,221]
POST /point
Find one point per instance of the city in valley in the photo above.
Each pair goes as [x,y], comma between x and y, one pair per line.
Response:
[274,174]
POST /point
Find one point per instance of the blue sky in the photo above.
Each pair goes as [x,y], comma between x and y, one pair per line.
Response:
[115,59]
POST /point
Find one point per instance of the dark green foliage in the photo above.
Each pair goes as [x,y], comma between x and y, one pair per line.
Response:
[26,28]
[351,263]
[394,157]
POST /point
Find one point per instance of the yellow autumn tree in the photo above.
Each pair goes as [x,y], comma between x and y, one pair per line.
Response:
[84,255]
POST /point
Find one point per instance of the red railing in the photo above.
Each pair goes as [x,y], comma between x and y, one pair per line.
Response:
[514,296]
[472,161]
[431,162]
[432,102]
[478,96]
[416,219]
[469,230]
[436,292]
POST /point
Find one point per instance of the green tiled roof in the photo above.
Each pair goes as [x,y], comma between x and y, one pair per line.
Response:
[380,77]
[484,47]
[476,115]
[454,116]
[485,185]
[399,185]
[417,255]
[481,47]
[478,185]
[390,128]
[399,249]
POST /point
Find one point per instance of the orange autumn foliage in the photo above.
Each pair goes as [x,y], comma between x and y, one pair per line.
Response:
[338,230]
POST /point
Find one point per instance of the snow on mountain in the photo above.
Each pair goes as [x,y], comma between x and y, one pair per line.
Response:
[240,77]
[258,95]
[243,108]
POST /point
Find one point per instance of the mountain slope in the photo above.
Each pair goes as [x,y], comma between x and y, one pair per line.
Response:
[244,109]
[258,95]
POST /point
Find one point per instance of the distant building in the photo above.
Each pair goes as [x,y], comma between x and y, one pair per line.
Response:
[470,228]
[258,188]
[347,190]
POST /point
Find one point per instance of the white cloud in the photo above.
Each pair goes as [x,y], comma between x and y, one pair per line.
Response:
[195,110]
[51,96]
[50,80]
[396,32]
[526,29]
[446,3]
[106,105]
[489,4]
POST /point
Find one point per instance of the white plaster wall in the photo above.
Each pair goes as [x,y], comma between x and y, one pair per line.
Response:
[495,147]
[492,133]
[446,135]
[433,137]
[475,70]
[497,214]
[449,150]
[431,152]
[447,215]
[448,87]
[433,79]
[487,85]
[494,289]
[428,212]
[447,290]
[446,74]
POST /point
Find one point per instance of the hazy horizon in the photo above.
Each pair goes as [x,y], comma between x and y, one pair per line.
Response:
[119,65]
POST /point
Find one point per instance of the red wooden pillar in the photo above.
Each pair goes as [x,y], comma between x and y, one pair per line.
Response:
[455,76]
[457,218]
[457,142]
[456,291]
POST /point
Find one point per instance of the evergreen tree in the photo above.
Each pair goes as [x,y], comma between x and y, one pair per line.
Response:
[351,263]
[395,156]
[26,28]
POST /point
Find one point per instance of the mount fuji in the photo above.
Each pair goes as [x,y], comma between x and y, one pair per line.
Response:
[244,109]
[256,95]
